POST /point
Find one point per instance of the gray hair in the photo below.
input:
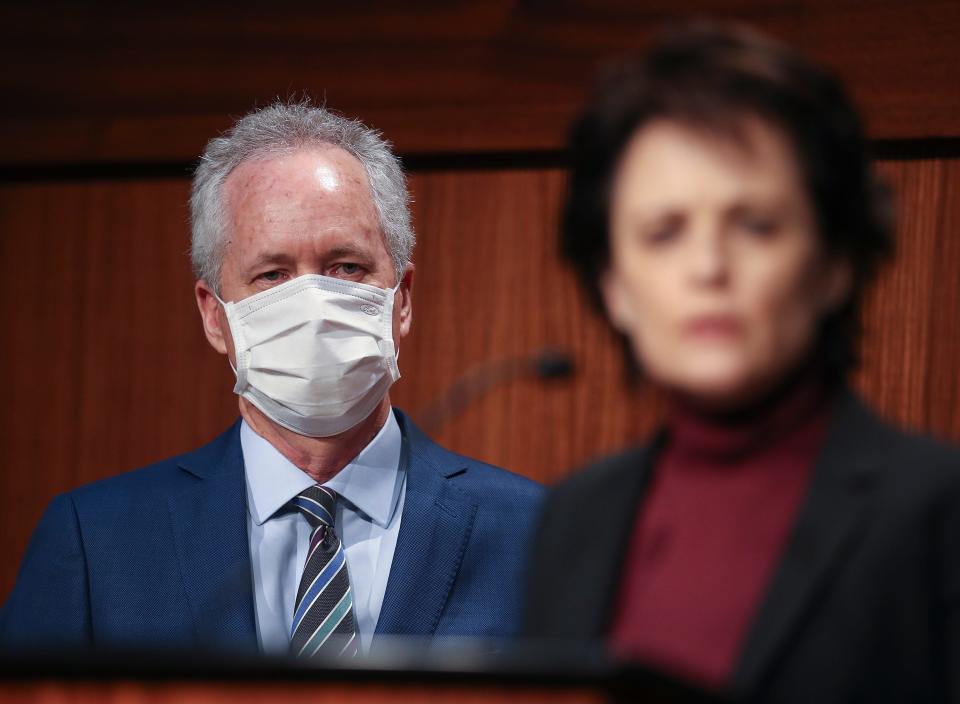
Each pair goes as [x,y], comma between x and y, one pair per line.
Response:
[282,128]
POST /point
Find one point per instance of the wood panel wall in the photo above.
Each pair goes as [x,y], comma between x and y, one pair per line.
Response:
[107,367]
[111,81]
[109,370]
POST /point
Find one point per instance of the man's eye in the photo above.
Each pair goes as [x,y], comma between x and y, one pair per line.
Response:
[270,276]
[349,268]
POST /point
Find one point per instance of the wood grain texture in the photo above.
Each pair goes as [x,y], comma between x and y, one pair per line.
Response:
[912,336]
[510,296]
[120,82]
[109,370]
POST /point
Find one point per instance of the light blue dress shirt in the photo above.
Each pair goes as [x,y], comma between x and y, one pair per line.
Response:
[371,488]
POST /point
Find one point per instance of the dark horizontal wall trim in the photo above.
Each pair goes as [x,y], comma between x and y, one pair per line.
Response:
[413,163]
[914,149]
[884,149]
[485,161]
[96,171]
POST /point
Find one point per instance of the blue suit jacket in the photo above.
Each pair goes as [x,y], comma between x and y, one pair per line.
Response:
[159,558]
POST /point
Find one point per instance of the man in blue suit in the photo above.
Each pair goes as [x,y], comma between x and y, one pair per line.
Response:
[323,517]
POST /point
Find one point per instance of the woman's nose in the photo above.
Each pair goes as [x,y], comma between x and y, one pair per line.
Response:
[709,258]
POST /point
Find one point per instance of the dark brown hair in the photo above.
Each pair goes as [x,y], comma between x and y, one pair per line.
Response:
[716,77]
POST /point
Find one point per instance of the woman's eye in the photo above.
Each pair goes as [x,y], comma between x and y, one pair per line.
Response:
[661,235]
[764,227]
[662,231]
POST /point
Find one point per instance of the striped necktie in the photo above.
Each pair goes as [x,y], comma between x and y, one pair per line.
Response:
[323,622]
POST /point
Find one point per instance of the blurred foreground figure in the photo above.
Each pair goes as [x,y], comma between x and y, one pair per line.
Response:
[323,517]
[776,540]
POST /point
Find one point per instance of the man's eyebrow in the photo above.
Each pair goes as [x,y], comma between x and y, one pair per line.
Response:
[265,258]
[357,254]
[343,251]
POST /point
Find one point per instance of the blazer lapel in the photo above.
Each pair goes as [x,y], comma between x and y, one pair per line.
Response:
[210,534]
[434,531]
[827,529]
[612,509]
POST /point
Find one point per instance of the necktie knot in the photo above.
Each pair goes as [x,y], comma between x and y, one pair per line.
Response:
[318,504]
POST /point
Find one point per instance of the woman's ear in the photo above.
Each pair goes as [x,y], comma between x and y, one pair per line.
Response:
[837,284]
[614,301]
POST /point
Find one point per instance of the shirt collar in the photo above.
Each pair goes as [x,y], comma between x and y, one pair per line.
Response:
[371,482]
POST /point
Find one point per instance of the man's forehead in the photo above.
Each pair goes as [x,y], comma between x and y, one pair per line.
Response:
[308,205]
[319,167]
[304,182]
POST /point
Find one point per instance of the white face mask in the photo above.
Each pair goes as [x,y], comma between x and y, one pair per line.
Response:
[315,354]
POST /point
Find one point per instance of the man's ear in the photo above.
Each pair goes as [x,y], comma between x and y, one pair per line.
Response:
[211,315]
[403,302]
[614,301]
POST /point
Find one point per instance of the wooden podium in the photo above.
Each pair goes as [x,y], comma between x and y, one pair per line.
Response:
[525,676]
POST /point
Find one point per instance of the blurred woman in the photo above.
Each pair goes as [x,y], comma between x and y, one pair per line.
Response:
[776,540]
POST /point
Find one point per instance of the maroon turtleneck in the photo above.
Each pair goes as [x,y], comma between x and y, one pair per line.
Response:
[711,529]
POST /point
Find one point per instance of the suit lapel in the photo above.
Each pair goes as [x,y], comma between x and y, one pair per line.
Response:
[827,529]
[434,531]
[612,510]
[210,534]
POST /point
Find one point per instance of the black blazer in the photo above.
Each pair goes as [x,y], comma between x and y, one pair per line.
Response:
[865,603]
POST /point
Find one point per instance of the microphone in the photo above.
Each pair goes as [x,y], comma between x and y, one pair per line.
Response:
[547,363]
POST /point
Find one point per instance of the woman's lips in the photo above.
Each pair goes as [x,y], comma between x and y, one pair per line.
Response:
[713,327]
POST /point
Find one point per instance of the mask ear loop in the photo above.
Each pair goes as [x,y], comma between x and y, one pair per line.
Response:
[224,304]
[396,343]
